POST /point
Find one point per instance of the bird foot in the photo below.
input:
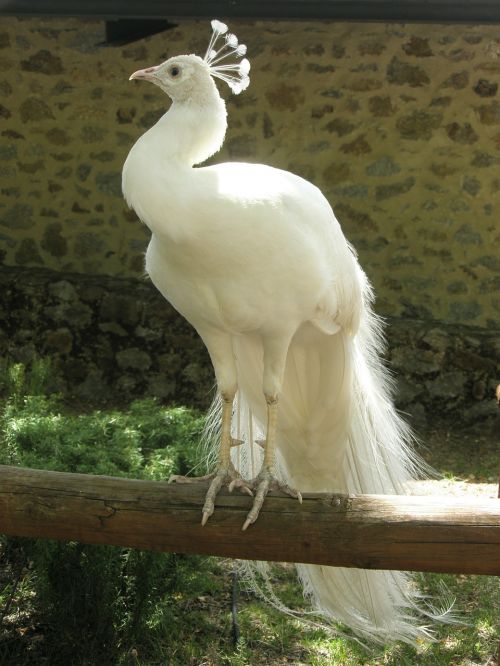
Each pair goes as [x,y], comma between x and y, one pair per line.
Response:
[224,476]
[261,485]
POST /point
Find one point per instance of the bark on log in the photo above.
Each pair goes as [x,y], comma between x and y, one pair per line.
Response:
[430,533]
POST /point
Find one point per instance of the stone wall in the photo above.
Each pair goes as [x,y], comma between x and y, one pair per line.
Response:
[109,339]
[113,339]
[399,125]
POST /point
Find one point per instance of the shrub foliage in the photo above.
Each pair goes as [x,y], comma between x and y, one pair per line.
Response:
[94,602]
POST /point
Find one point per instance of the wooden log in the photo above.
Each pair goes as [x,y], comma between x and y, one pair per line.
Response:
[429,533]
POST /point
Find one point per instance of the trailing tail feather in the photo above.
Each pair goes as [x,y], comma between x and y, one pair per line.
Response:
[338,431]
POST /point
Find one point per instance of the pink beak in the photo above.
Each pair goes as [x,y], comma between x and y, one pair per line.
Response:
[147,74]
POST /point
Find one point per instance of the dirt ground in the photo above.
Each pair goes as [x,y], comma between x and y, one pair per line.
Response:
[462,457]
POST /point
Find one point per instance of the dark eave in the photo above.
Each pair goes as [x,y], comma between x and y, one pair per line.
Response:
[449,11]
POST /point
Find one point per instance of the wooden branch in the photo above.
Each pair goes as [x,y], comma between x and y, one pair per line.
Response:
[430,533]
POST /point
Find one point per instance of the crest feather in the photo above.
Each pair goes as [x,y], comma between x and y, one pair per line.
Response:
[235,74]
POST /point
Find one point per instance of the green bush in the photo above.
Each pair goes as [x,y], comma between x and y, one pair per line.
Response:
[146,441]
[96,601]
[67,603]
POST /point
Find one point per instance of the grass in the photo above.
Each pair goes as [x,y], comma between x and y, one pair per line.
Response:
[100,606]
[469,454]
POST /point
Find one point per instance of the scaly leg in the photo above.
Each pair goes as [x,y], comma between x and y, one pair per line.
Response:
[226,472]
[220,348]
[275,352]
[266,479]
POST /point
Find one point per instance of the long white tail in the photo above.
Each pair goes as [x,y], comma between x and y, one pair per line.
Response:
[338,432]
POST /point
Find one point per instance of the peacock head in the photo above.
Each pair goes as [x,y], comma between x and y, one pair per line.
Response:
[183,78]
[187,77]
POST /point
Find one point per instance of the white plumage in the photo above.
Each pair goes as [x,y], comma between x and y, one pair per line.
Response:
[255,260]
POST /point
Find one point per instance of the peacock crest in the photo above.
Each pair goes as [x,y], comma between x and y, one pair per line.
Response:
[235,74]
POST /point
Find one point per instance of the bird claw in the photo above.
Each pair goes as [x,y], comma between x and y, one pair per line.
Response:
[262,484]
[257,488]
[209,505]
[242,485]
[223,476]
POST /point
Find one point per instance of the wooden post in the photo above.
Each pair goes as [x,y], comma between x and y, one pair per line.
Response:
[430,533]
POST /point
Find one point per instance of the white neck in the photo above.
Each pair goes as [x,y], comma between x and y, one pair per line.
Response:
[189,134]
[156,171]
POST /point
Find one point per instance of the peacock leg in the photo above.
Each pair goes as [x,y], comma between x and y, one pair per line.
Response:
[220,348]
[266,479]
[226,473]
[224,454]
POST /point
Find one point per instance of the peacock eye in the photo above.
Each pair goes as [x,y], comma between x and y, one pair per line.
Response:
[175,71]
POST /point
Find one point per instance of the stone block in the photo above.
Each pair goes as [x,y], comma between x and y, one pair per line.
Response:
[43,62]
[485,88]
[448,386]
[418,47]
[19,216]
[400,72]
[419,124]
[59,340]
[34,109]
[133,358]
[394,189]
